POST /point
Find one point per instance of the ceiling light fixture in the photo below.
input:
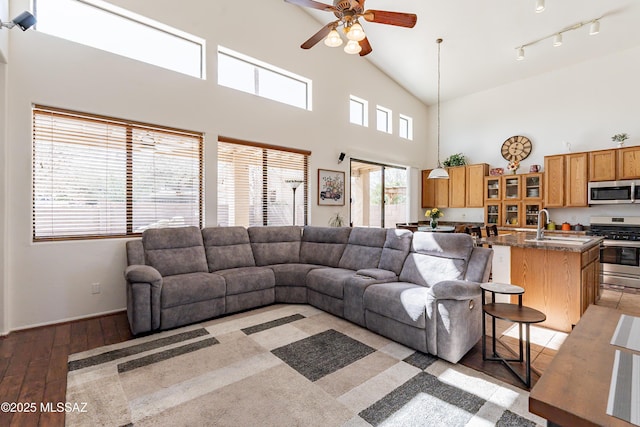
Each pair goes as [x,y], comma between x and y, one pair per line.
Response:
[557,40]
[539,6]
[333,39]
[24,21]
[352,47]
[356,32]
[594,28]
[439,172]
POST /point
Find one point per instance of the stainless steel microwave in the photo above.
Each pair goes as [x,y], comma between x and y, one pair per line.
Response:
[614,192]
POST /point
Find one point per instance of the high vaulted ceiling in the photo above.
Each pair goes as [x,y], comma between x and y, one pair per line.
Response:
[480,40]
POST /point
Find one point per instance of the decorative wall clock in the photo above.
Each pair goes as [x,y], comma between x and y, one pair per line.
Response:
[516,148]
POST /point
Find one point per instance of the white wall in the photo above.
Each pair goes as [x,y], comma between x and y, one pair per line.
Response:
[4,54]
[49,282]
[584,104]
[4,33]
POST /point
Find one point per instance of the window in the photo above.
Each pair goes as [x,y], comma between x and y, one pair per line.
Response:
[358,111]
[255,184]
[406,127]
[96,176]
[104,26]
[383,117]
[241,72]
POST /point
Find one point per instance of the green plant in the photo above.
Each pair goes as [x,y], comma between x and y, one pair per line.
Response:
[336,220]
[620,137]
[455,160]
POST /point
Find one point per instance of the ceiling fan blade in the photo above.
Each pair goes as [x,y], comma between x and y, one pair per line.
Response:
[366,47]
[399,19]
[312,4]
[319,35]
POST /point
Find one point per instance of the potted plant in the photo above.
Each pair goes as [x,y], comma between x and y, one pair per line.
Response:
[620,138]
[455,160]
[336,220]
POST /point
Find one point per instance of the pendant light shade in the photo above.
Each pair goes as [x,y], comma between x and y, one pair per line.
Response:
[439,172]
[333,39]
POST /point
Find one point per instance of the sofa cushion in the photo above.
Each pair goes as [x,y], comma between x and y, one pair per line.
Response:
[247,279]
[403,302]
[363,249]
[174,251]
[227,247]
[292,274]
[435,257]
[396,248]
[329,281]
[323,245]
[190,288]
[275,245]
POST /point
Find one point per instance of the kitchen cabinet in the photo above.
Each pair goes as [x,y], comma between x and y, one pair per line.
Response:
[590,275]
[474,183]
[530,210]
[576,180]
[492,188]
[532,186]
[435,192]
[554,169]
[457,186]
[512,213]
[602,165]
[493,213]
[628,163]
[511,187]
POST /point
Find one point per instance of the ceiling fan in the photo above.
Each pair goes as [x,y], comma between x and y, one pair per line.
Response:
[348,12]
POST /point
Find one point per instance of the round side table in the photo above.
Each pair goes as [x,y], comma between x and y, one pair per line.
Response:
[515,313]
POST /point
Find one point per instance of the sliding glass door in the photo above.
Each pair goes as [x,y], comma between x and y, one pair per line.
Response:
[378,194]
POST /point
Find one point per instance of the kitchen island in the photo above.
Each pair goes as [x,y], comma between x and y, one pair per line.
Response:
[560,277]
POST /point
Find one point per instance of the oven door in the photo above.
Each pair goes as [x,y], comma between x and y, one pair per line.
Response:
[620,263]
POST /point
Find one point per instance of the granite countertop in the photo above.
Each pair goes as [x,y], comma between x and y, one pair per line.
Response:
[518,239]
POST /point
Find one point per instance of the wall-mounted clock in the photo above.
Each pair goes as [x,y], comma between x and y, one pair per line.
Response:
[516,148]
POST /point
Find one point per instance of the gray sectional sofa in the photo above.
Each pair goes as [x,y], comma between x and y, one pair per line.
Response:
[421,289]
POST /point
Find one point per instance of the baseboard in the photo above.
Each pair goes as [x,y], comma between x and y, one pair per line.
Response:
[62,321]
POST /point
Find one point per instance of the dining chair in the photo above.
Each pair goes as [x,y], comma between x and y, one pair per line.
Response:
[492,230]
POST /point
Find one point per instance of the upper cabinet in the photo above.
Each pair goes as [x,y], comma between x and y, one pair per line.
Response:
[629,163]
[554,169]
[475,184]
[457,186]
[576,179]
[435,192]
[602,165]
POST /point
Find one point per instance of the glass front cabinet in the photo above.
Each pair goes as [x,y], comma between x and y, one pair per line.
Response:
[492,187]
[513,200]
[511,213]
[493,213]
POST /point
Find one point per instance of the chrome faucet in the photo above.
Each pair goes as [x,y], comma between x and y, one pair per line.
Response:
[540,229]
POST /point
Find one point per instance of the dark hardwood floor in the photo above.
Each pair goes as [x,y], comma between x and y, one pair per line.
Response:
[33,364]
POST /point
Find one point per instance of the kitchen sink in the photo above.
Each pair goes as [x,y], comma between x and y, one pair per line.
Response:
[561,240]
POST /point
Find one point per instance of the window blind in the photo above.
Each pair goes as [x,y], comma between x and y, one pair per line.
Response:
[255,184]
[96,176]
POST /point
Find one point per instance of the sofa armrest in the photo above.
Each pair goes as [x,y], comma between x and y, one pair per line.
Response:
[455,290]
[378,274]
[144,286]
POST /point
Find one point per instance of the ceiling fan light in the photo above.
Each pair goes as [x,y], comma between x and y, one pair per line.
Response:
[539,6]
[356,32]
[520,55]
[333,39]
[594,28]
[557,40]
[352,47]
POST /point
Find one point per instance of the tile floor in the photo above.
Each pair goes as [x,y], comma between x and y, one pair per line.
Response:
[545,343]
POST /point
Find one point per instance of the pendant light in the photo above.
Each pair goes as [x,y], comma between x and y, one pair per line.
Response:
[439,172]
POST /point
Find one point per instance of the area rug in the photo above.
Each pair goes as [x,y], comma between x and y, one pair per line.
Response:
[283,365]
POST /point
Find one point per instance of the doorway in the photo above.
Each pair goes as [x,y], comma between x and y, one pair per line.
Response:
[378,194]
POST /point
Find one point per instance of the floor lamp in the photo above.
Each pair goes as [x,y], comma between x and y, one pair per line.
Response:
[294,183]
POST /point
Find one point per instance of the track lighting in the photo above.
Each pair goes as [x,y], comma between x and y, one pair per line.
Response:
[539,6]
[557,40]
[594,28]
[24,21]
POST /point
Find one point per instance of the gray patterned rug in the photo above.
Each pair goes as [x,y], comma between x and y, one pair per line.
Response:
[283,365]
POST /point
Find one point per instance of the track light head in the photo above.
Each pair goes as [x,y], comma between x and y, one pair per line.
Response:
[539,6]
[24,21]
[520,55]
[557,40]
[594,28]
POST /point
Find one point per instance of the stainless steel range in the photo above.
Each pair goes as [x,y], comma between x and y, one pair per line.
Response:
[620,250]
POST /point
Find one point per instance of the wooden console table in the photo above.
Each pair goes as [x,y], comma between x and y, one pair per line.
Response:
[574,389]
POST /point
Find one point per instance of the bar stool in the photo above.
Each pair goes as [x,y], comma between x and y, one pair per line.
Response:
[516,313]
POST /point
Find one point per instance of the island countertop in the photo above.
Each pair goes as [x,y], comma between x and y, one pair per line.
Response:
[521,240]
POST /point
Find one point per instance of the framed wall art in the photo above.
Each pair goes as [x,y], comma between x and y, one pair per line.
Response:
[330,188]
